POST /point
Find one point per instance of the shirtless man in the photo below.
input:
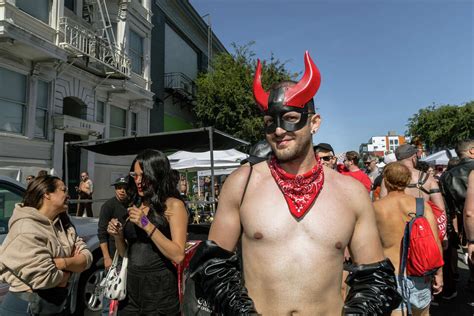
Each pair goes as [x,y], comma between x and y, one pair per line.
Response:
[84,191]
[429,190]
[293,242]
[391,213]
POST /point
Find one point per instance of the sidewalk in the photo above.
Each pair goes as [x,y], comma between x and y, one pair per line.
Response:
[457,306]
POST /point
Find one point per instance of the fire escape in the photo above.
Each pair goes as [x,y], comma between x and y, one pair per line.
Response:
[97,43]
[181,88]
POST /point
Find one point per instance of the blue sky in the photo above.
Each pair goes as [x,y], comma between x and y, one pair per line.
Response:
[380,60]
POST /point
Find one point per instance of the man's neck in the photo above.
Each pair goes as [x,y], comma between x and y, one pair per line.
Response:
[408,164]
[395,193]
[300,165]
[353,168]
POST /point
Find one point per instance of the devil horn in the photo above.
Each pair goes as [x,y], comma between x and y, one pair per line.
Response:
[260,95]
[306,88]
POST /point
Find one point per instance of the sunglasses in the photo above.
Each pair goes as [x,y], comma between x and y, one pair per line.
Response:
[327,158]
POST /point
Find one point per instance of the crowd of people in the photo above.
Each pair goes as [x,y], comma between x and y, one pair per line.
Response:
[293,226]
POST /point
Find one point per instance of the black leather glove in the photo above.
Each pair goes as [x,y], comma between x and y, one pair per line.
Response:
[373,289]
[217,277]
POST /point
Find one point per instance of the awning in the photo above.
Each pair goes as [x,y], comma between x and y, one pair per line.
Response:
[195,140]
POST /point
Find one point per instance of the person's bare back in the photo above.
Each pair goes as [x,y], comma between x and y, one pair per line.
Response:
[391,213]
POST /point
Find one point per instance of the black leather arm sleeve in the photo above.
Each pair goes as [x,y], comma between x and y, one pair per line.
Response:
[216,271]
[373,289]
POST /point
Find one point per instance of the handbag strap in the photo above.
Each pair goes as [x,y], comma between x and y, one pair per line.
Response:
[117,256]
[18,277]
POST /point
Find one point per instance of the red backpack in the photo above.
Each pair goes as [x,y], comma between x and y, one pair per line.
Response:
[420,252]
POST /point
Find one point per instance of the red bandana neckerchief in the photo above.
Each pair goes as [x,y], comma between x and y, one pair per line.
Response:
[301,190]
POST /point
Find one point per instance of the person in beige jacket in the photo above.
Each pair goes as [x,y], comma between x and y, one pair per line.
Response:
[41,251]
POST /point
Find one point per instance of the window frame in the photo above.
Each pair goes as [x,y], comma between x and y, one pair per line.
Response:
[132,53]
[32,13]
[23,105]
[116,127]
[97,111]
[133,123]
[44,109]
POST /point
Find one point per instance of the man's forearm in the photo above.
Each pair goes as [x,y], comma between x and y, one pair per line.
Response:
[105,250]
[121,245]
[468,214]
[373,289]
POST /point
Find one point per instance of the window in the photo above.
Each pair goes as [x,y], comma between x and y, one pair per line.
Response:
[42,101]
[12,100]
[118,121]
[396,141]
[391,142]
[99,112]
[135,52]
[38,8]
[134,124]
[70,4]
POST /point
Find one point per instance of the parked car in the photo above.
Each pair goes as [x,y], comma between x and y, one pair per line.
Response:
[82,284]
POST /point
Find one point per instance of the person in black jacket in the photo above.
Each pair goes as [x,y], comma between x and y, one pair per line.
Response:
[454,186]
[115,207]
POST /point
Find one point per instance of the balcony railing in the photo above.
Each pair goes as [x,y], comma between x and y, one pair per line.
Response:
[77,38]
[181,84]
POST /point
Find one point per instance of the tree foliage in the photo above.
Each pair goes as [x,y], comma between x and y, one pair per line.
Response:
[443,126]
[225,99]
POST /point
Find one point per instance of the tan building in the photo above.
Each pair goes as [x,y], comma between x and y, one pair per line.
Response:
[72,70]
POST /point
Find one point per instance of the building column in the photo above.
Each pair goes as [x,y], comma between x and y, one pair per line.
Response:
[88,160]
[58,152]
[30,122]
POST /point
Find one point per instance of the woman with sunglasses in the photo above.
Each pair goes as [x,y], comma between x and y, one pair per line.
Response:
[154,237]
[41,251]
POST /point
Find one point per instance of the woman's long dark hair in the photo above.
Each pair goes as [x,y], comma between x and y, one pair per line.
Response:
[158,181]
[36,190]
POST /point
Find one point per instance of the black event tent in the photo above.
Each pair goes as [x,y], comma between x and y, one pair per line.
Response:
[195,140]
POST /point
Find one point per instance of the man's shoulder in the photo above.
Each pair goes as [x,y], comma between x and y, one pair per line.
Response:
[343,184]
[112,203]
[244,172]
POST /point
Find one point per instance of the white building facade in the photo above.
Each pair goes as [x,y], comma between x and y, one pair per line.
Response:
[382,145]
[72,70]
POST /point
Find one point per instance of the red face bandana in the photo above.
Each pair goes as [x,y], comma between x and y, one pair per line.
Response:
[301,190]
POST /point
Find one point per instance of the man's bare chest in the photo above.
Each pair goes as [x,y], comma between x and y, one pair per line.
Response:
[265,217]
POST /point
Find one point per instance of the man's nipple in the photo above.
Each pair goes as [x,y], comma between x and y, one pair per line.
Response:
[338,245]
[258,235]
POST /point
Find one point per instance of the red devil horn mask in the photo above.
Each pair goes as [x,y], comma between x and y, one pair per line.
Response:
[297,95]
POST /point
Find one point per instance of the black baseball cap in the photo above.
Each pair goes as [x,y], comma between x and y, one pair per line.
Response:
[120,180]
[323,146]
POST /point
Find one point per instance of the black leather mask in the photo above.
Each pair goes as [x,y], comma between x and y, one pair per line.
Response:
[289,118]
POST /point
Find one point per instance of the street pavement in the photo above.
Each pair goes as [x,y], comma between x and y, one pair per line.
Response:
[457,306]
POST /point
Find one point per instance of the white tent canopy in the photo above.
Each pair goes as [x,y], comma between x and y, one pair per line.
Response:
[192,161]
[440,157]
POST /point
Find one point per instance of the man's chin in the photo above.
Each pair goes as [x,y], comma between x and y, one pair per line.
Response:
[284,155]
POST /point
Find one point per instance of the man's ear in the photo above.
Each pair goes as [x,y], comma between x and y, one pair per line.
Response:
[47,196]
[315,122]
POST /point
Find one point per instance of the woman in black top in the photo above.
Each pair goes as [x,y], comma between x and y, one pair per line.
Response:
[155,234]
